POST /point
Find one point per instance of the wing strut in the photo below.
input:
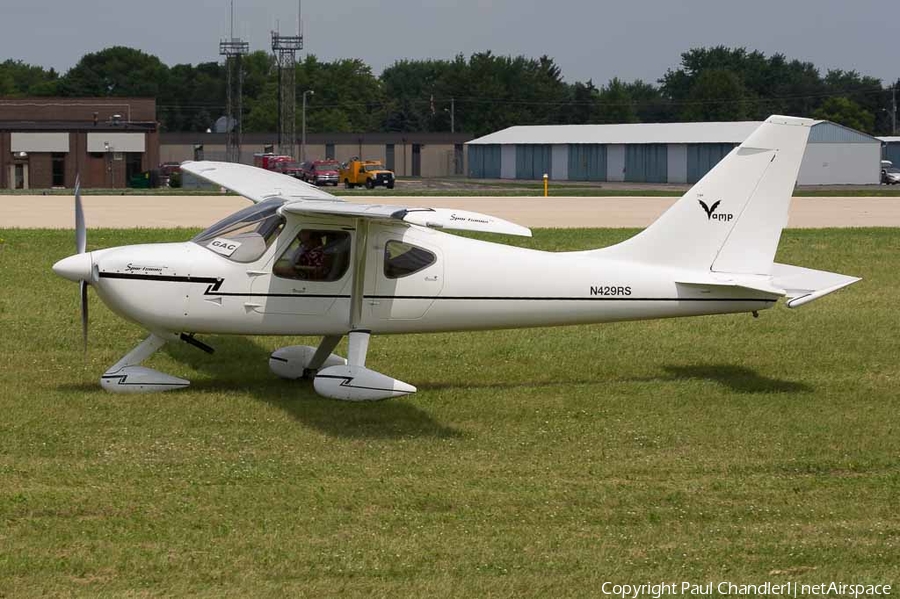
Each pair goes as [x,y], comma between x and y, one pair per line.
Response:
[359,272]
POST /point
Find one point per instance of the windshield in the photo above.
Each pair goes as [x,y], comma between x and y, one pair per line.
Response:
[326,167]
[245,235]
[892,169]
[373,167]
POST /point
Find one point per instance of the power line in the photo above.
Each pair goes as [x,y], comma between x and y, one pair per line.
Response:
[661,101]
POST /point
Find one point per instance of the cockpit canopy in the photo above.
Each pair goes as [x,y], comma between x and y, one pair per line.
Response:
[245,235]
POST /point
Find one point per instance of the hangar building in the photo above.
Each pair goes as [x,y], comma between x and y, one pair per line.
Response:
[45,141]
[660,152]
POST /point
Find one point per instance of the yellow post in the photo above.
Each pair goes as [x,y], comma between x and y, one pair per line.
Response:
[546,178]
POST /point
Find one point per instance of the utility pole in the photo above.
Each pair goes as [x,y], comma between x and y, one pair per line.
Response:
[452,115]
[308,92]
[894,109]
[285,48]
[233,49]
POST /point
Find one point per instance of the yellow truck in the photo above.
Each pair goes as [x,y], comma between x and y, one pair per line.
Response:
[366,172]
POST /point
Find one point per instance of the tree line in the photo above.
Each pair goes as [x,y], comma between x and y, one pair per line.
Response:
[480,93]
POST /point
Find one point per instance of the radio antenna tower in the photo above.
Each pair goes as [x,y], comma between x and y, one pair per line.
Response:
[285,48]
[233,49]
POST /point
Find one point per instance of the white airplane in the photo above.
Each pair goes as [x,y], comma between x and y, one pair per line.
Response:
[302,262]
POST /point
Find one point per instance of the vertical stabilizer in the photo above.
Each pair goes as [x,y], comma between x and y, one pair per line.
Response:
[731,220]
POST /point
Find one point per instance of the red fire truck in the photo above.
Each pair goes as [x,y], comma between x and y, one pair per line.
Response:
[269,160]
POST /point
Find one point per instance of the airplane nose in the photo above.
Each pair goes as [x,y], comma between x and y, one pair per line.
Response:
[75,268]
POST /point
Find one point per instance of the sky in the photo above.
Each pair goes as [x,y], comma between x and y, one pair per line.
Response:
[589,39]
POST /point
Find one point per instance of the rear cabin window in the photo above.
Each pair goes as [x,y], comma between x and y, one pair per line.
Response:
[403,259]
[315,255]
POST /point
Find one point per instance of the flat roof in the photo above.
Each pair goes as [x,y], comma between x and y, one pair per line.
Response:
[64,126]
[342,138]
[734,132]
[624,133]
[890,139]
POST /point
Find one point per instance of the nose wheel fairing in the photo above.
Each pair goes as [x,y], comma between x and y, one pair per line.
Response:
[128,376]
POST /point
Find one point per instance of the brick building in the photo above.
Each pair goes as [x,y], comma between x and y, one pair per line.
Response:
[44,142]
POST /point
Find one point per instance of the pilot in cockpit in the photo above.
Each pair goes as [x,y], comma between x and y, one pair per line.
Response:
[309,259]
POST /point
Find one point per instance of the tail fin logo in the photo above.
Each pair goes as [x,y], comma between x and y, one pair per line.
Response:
[710,212]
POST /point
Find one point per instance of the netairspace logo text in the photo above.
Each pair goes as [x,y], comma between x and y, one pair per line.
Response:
[786,589]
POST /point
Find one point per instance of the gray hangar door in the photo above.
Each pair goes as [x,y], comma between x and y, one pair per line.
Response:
[891,151]
[484,161]
[647,163]
[532,161]
[702,157]
[587,162]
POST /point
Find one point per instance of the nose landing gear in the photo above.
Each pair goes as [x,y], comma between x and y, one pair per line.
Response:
[127,376]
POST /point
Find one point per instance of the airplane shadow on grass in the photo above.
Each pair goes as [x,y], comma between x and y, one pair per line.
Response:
[737,378]
[239,364]
[516,384]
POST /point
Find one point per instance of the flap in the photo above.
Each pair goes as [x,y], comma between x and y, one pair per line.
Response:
[378,211]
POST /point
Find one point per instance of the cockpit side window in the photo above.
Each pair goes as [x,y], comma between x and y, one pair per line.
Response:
[245,235]
[315,255]
[403,259]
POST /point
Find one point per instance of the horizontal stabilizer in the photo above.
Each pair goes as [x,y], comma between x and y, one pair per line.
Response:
[762,284]
[799,285]
[803,285]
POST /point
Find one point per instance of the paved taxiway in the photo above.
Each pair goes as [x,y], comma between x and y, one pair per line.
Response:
[56,212]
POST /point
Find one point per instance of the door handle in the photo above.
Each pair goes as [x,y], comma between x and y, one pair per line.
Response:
[295,290]
[434,278]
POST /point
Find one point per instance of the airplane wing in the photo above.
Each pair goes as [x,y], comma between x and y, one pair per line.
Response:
[255,184]
[258,184]
[437,218]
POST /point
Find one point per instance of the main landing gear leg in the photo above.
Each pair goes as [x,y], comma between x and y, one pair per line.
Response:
[358,348]
[322,355]
[355,382]
[127,376]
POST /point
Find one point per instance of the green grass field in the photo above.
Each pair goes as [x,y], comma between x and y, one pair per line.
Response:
[537,462]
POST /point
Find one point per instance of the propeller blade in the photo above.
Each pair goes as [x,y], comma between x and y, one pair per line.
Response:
[84,313]
[80,231]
